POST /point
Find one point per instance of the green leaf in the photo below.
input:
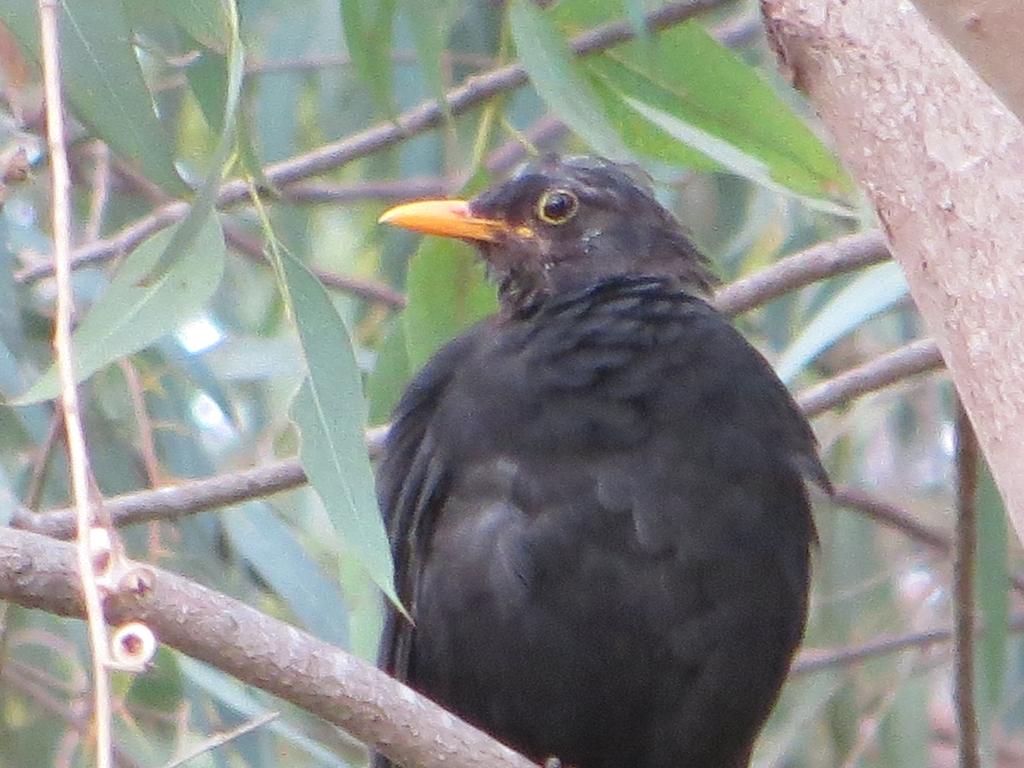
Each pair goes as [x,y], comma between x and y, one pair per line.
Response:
[690,86]
[129,316]
[367,25]
[447,292]
[160,689]
[428,23]
[559,81]
[390,375]
[208,21]
[905,733]
[103,81]
[331,416]
[644,137]
[574,16]
[873,291]
[206,198]
[270,547]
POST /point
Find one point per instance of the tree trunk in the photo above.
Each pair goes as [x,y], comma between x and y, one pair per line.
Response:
[942,161]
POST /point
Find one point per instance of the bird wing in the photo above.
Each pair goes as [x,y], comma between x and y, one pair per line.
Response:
[411,478]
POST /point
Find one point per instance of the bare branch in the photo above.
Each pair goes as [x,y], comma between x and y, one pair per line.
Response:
[965,553]
[816,263]
[910,360]
[174,501]
[231,488]
[816,659]
[39,572]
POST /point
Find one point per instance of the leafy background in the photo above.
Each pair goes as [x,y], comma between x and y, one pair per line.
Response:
[222,329]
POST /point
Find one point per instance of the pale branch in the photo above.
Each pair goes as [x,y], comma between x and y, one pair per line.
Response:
[386,191]
[987,33]
[828,259]
[473,92]
[912,359]
[39,572]
[817,659]
[174,501]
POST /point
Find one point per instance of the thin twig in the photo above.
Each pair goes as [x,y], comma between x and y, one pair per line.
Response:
[890,515]
[899,519]
[175,501]
[474,91]
[220,739]
[79,458]
[147,445]
[835,257]
[18,679]
[367,191]
[965,553]
[44,455]
[100,191]
[909,360]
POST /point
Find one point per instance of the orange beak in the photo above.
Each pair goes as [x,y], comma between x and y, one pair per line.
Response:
[449,218]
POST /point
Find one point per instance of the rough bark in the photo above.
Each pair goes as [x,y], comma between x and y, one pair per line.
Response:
[942,160]
[989,34]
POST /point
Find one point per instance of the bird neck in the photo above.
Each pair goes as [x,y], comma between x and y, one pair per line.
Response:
[520,303]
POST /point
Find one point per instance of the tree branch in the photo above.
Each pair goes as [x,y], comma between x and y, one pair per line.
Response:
[808,266]
[909,360]
[815,660]
[39,572]
[964,559]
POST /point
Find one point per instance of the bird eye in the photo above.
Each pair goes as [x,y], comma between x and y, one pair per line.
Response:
[557,206]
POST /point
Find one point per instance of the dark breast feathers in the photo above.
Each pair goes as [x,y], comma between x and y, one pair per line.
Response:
[600,525]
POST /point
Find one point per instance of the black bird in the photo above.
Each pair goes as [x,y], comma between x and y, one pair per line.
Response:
[596,498]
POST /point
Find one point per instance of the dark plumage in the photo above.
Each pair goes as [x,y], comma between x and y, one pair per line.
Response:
[596,498]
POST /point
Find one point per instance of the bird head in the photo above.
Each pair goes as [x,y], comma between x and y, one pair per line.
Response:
[560,224]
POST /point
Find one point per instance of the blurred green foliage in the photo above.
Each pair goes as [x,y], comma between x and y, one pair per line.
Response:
[220,339]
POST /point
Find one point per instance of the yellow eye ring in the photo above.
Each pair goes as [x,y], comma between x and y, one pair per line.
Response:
[557,206]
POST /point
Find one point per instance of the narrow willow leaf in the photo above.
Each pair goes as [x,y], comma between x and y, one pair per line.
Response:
[273,551]
[873,291]
[103,81]
[238,697]
[130,316]
[207,21]
[687,74]
[367,26]
[390,375]
[558,79]
[993,597]
[428,22]
[330,413]
[206,197]
[447,293]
